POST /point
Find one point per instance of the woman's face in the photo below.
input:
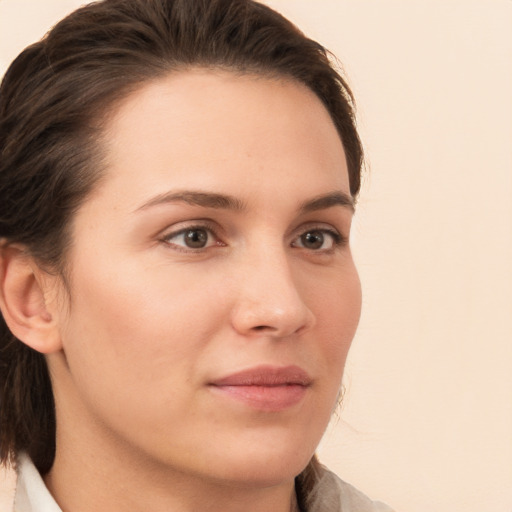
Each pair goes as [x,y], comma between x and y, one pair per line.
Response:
[213,297]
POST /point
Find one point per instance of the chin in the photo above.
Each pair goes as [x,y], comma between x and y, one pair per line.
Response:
[265,467]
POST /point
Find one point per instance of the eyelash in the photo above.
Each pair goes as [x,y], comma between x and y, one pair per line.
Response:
[338,240]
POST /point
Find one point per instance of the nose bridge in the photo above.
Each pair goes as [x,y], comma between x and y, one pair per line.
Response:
[269,298]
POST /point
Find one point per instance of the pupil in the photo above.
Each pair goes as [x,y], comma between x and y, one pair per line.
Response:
[196,238]
[313,240]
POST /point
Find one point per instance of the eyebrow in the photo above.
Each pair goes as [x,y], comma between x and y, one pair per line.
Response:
[204,199]
[227,202]
[322,202]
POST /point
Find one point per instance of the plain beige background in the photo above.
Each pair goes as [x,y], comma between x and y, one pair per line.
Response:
[427,417]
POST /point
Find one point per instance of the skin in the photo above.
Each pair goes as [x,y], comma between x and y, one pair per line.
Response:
[147,323]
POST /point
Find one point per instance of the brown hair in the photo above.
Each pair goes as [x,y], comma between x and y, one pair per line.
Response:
[52,101]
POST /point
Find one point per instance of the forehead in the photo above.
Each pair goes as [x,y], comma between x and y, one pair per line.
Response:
[210,129]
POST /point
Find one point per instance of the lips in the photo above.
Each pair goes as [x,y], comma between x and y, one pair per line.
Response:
[266,388]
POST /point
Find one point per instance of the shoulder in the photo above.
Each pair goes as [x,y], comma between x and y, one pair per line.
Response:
[331,494]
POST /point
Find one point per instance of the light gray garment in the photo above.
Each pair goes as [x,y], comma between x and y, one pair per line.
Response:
[329,495]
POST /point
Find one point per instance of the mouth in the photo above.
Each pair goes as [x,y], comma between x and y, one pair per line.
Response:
[266,388]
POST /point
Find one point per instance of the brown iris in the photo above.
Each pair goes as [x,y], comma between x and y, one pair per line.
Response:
[196,238]
[312,239]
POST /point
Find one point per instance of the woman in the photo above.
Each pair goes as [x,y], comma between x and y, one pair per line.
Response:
[177,183]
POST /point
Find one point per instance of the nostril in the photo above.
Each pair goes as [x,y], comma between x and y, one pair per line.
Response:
[261,327]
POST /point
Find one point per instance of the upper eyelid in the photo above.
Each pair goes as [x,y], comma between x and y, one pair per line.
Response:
[188,225]
[316,226]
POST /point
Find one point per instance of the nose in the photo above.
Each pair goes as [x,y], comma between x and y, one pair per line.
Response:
[269,301]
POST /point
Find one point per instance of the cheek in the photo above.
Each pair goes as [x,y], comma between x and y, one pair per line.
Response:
[130,322]
[337,300]
[337,311]
[131,342]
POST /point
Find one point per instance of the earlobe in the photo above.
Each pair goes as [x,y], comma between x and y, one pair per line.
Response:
[23,290]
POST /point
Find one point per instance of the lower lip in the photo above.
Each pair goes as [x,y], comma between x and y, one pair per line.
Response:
[265,398]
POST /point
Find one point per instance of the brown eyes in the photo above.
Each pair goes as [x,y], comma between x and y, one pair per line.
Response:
[196,238]
[312,240]
[325,240]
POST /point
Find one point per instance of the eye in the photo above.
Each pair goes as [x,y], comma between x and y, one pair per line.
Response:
[194,238]
[318,240]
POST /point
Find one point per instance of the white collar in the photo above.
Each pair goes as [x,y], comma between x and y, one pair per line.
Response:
[31,492]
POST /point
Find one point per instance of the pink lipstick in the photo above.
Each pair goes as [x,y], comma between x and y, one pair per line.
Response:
[268,388]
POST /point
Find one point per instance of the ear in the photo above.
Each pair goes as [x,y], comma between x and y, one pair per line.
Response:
[27,296]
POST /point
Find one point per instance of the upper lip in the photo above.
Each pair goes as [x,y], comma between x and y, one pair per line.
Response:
[266,375]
